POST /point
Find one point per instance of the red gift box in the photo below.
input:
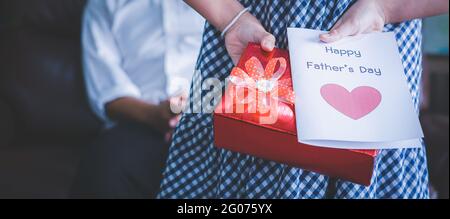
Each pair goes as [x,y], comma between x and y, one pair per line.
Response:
[256,117]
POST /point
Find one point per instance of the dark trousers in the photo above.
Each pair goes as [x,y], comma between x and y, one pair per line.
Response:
[124,162]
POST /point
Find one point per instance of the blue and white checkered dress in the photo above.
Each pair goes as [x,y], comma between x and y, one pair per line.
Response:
[196,169]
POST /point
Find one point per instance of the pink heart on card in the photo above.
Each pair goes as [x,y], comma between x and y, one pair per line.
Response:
[356,104]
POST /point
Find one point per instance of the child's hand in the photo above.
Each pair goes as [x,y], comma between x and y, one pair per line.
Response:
[247,29]
[365,16]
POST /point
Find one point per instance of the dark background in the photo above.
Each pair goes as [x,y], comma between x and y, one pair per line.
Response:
[45,120]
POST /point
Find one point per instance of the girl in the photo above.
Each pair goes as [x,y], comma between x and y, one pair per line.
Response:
[196,169]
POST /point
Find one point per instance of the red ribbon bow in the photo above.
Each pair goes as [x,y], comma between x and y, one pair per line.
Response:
[265,82]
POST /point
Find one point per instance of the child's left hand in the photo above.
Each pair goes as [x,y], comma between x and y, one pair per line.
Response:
[365,16]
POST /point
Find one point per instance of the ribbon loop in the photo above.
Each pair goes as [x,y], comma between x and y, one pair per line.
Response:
[265,81]
[270,69]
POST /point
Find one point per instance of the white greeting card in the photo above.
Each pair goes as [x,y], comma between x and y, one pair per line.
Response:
[352,94]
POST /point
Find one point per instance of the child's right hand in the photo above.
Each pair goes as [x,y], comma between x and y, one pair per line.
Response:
[365,16]
[247,29]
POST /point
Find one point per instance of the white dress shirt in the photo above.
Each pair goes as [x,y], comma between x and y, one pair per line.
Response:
[138,48]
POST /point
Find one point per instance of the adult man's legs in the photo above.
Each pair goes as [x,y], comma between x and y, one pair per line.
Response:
[124,162]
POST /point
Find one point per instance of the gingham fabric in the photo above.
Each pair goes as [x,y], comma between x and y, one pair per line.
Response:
[196,169]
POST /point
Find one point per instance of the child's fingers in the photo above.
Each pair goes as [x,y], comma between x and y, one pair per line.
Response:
[268,43]
[266,40]
[343,29]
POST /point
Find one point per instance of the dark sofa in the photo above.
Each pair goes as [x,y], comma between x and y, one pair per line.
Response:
[45,120]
